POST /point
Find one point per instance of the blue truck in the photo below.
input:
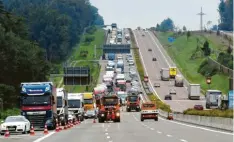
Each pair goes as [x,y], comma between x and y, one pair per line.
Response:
[111,56]
[38,103]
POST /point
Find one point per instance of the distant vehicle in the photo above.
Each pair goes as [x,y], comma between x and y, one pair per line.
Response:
[111,64]
[131,63]
[154,59]
[179,80]
[149,111]
[62,105]
[168,97]
[156,84]
[194,91]
[198,107]
[90,114]
[165,76]
[17,124]
[71,116]
[109,68]
[212,98]
[149,49]
[172,91]
[76,105]
[133,102]
[111,56]
[173,72]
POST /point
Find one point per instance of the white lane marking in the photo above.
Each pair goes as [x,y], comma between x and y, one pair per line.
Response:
[152,129]
[183,140]
[106,133]
[44,137]
[159,132]
[106,130]
[102,125]
[198,127]
[118,126]
[216,131]
[135,117]
[160,50]
[110,141]
[108,137]
[169,135]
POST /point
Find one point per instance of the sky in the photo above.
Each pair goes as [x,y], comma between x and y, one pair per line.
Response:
[147,13]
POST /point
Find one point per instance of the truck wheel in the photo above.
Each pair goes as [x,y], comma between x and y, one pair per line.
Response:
[142,119]
[156,119]
[100,120]
[137,109]
[117,120]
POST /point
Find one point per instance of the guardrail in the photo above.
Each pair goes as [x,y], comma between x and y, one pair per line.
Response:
[212,122]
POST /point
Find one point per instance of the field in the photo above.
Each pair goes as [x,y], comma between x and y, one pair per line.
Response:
[83,52]
[181,51]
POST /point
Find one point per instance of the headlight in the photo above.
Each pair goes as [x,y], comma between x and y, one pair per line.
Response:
[47,88]
[117,114]
[85,114]
[3,126]
[23,89]
[61,117]
[102,115]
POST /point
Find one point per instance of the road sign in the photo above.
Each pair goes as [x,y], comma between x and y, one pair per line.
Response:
[171,39]
[230,99]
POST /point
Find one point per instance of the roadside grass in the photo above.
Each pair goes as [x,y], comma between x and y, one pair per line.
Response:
[153,98]
[181,50]
[99,36]
[213,113]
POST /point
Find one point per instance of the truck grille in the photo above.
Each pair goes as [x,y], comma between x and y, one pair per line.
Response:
[37,120]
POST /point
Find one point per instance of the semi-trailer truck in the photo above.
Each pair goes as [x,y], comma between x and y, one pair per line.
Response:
[194,91]
[165,74]
[62,105]
[88,101]
[38,103]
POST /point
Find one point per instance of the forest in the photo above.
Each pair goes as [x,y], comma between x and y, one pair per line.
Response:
[35,35]
[226,15]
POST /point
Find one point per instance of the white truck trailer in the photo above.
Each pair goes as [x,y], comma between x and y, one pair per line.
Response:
[62,105]
[194,91]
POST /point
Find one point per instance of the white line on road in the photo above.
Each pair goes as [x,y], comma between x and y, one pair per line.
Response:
[108,137]
[118,126]
[44,137]
[183,140]
[106,133]
[106,130]
[159,132]
[152,129]
[198,127]
[169,135]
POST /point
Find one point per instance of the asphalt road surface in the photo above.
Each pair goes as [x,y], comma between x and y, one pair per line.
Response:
[130,129]
[179,101]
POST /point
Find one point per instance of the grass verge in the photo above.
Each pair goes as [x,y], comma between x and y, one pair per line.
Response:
[181,51]
[161,105]
[86,51]
[213,113]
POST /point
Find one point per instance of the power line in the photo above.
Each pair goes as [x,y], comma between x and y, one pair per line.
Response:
[201,14]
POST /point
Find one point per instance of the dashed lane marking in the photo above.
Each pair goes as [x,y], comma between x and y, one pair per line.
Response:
[159,132]
[106,133]
[107,137]
[44,137]
[183,140]
[169,135]
[152,129]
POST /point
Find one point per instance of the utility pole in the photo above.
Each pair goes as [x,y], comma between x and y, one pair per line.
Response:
[201,14]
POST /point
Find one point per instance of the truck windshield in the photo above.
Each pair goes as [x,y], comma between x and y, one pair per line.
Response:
[110,101]
[59,102]
[133,99]
[88,101]
[73,103]
[36,100]
[214,96]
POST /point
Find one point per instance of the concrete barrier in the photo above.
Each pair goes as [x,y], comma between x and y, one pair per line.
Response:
[212,122]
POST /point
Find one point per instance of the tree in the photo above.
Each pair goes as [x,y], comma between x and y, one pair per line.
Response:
[214,27]
[229,50]
[184,29]
[206,48]
[157,27]
[188,34]
[225,10]
[167,25]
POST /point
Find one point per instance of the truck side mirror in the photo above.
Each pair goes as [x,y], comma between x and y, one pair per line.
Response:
[52,99]
[82,104]
[65,103]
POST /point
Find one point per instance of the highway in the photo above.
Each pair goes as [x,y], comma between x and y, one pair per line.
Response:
[130,129]
[179,101]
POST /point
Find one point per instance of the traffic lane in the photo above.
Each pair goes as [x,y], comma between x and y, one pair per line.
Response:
[102,70]
[165,86]
[166,56]
[23,137]
[181,91]
[86,132]
[189,133]
[130,129]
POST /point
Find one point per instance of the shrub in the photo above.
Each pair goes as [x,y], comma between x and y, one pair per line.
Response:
[161,105]
[89,38]
[213,113]
[207,69]
[91,30]
[9,112]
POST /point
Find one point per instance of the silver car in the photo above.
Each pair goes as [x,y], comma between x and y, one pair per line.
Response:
[90,114]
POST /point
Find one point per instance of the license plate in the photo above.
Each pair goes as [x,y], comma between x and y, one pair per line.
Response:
[11,128]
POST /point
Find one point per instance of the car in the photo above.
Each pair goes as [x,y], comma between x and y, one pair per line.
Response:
[154,59]
[168,97]
[149,49]
[156,84]
[172,91]
[90,114]
[149,111]
[15,124]
[198,107]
